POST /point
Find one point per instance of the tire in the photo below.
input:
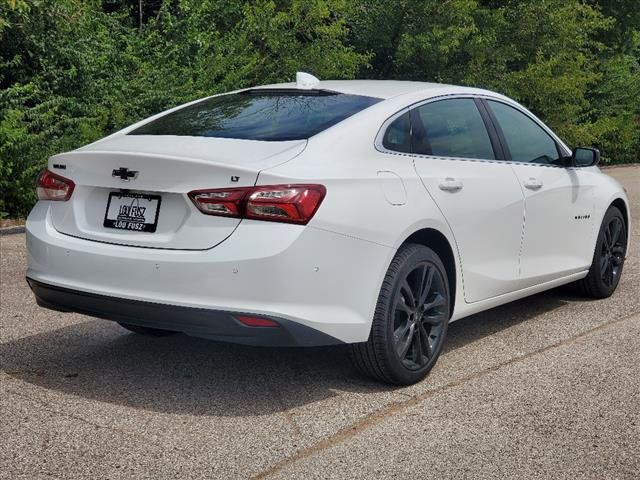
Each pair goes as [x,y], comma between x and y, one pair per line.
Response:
[149,332]
[411,316]
[608,257]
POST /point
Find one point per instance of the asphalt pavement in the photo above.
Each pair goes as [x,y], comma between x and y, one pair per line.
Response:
[546,387]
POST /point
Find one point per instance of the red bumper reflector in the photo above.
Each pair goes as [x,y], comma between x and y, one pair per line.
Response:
[256,321]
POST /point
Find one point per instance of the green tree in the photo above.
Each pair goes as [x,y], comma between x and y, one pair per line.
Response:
[575,64]
[72,71]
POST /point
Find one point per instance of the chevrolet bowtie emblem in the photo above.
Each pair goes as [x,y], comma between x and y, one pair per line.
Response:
[124,173]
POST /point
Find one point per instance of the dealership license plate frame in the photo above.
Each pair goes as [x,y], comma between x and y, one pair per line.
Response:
[133,223]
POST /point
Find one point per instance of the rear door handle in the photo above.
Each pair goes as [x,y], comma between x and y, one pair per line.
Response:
[532,183]
[450,184]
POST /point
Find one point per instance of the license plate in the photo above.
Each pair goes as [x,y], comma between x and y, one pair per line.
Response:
[132,211]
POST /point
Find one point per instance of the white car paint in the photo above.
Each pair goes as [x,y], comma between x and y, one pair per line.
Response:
[507,241]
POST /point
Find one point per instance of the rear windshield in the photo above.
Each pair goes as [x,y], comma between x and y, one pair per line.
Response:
[271,115]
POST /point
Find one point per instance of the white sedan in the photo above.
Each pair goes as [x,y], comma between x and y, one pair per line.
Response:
[370,213]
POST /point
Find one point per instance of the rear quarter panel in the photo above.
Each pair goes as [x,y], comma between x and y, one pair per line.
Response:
[372,196]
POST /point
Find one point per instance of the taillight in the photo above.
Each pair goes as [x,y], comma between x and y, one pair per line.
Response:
[276,203]
[284,203]
[51,186]
[227,203]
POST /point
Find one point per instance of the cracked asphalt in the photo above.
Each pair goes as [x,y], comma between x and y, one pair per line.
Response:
[546,387]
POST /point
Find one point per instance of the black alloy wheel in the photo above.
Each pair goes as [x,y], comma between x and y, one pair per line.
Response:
[612,252]
[410,321]
[608,257]
[419,316]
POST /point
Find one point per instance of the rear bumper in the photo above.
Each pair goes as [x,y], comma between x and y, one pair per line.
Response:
[318,279]
[197,322]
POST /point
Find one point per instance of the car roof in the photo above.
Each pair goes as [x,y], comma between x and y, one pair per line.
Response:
[384,89]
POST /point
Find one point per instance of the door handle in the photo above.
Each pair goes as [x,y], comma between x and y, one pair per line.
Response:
[533,183]
[450,184]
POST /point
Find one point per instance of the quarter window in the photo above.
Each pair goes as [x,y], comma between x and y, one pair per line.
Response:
[526,140]
[398,134]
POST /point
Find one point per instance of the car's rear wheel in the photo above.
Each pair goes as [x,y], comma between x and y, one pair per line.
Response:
[608,257]
[150,332]
[410,321]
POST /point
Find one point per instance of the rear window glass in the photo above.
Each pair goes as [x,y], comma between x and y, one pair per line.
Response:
[270,115]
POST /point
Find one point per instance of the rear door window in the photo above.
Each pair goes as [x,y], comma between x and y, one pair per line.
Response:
[260,114]
[451,128]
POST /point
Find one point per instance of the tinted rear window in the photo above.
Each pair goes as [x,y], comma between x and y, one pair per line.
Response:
[451,128]
[271,115]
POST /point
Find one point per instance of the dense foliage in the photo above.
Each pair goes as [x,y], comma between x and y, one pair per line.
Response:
[72,71]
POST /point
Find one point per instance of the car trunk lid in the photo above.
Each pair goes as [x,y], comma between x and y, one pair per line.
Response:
[155,173]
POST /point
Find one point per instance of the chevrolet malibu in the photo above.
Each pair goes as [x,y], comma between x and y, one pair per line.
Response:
[370,213]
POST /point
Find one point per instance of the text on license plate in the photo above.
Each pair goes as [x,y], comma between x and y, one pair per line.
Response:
[132,211]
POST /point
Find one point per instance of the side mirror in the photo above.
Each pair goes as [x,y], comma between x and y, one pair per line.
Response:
[585,157]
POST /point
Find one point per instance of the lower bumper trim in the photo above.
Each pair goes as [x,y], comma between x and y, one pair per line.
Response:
[198,322]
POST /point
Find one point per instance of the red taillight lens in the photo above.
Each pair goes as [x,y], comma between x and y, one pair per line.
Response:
[285,203]
[51,186]
[276,203]
[227,203]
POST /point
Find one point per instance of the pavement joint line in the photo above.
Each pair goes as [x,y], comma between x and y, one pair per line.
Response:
[379,415]
[47,407]
[408,395]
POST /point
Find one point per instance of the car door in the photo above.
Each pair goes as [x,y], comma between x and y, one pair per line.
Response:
[479,195]
[559,200]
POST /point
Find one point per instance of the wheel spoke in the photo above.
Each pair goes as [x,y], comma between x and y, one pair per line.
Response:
[618,250]
[434,320]
[438,301]
[608,273]
[417,347]
[425,284]
[401,305]
[615,233]
[425,338]
[607,237]
[408,293]
[401,332]
[603,266]
[402,353]
[403,345]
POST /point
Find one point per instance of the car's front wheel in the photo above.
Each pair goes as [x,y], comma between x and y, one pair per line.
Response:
[410,321]
[608,257]
[150,332]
